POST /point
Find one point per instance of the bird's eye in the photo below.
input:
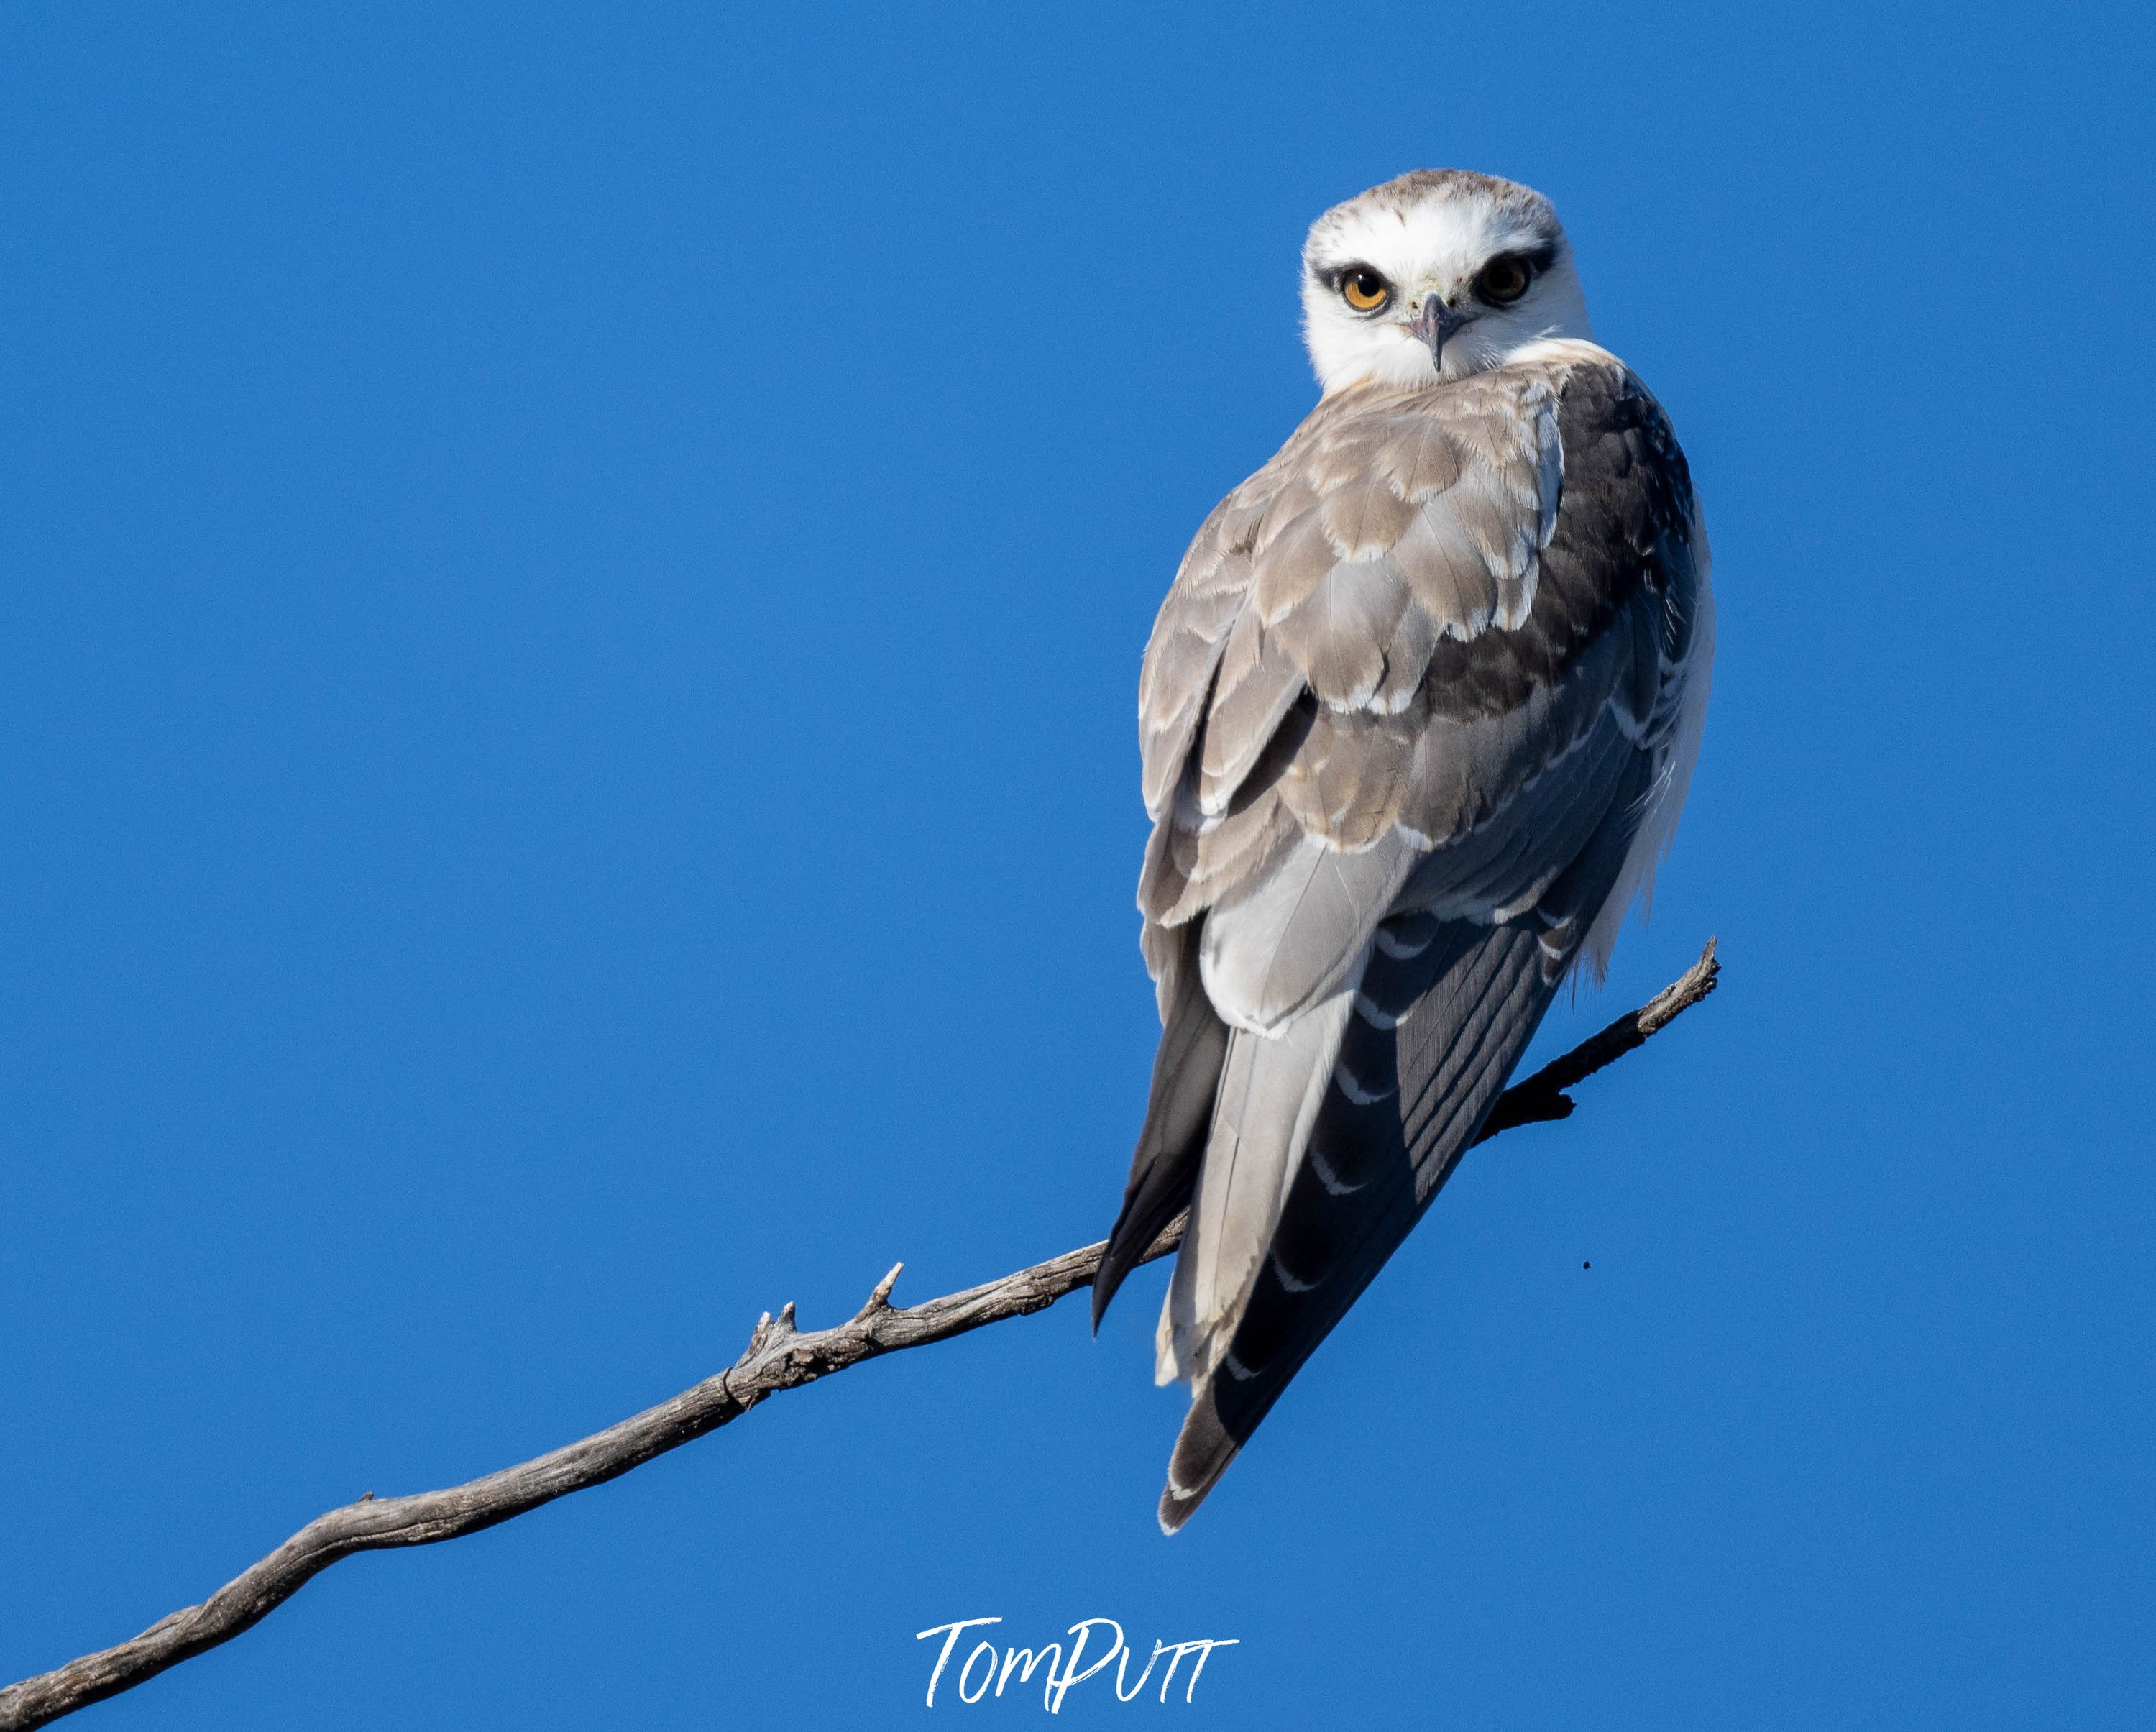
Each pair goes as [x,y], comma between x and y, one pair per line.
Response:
[1504,280]
[1364,290]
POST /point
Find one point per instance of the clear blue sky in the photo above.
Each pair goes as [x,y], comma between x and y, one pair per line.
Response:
[571,588]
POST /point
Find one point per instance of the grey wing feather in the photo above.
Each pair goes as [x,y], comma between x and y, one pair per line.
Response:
[1186,1075]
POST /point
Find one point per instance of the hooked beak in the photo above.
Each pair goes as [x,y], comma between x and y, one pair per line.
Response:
[1433,325]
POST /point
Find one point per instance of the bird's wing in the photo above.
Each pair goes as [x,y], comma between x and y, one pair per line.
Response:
[1415,684]
[1287,694]
[1278,719]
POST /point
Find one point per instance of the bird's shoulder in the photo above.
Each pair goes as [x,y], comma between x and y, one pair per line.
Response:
[1450,546]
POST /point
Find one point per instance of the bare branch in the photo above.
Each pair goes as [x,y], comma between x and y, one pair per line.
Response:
[1542,1097]
[779,1356]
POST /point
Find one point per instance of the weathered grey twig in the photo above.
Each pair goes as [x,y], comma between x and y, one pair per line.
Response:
[779,1356]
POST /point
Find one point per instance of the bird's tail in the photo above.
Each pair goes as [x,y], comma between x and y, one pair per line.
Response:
[1270,1091]
[1338,1135]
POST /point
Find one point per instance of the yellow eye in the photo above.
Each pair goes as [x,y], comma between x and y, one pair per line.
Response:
[1364,290]
[1504,280]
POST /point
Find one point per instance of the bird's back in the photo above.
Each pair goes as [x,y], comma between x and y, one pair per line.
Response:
[1416,715]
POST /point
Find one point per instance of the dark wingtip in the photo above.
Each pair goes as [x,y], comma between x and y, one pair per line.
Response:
[1102,1293]
[1203,1451]
[1110,1276]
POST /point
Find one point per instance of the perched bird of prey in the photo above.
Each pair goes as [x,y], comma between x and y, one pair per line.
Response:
[1418,716]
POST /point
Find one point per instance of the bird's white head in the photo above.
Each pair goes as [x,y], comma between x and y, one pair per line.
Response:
[1435,276]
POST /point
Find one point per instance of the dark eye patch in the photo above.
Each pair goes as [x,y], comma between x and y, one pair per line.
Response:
[1504,280]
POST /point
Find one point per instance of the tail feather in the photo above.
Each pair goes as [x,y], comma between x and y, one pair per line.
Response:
[1271,1089]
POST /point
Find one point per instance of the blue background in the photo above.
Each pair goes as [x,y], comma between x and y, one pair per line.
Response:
[573,582]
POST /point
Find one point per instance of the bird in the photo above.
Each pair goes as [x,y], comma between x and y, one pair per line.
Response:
[1416,721]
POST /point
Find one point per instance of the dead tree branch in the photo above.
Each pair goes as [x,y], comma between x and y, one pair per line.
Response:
[1543,1095]
[779,1356]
